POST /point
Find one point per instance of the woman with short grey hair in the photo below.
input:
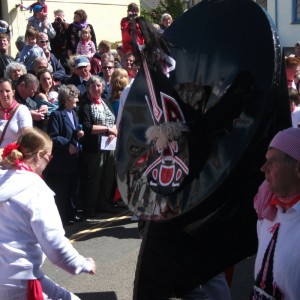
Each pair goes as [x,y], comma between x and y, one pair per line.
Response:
[98,169]
[67,92]
[14,70]
[62,172]
[166,21]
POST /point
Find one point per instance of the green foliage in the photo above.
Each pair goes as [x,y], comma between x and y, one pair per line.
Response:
[114,44]
[173,7]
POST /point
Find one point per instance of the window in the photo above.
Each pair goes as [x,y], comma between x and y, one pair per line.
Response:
[296,11]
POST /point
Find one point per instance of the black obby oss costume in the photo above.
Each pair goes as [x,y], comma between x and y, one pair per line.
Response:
[230,88]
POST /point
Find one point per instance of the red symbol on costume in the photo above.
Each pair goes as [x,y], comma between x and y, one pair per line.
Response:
[168,169]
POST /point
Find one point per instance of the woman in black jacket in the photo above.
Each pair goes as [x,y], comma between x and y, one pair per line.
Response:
[62,174]
[98,168]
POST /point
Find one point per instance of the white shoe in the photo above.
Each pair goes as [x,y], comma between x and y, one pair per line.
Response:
[134,218]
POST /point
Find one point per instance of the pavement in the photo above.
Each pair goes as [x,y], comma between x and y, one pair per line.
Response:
[114,242]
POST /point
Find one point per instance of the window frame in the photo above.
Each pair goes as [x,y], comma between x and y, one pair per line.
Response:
[295,6]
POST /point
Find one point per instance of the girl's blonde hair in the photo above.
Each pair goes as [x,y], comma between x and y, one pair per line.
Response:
[86,30]
[119,80]
[30,143]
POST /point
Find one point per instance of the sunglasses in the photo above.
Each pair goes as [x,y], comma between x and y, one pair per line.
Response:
[107,67]
[43,42]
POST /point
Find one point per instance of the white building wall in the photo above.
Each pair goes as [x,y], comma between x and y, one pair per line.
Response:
[104,15]
[281,13]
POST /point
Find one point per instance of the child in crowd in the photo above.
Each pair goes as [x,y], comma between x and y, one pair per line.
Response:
[86,46]
[40,21]
[31,50]
[103,47]
[40,2]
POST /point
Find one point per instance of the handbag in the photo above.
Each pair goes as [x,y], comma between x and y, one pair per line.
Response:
[6,125]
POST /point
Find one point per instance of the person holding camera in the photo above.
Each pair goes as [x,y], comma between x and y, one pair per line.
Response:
[58,43]
[132,12]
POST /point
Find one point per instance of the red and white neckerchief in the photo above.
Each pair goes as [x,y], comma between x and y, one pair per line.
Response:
[85,41]
[23,166]
[286,203]
[97,101]
[8,110]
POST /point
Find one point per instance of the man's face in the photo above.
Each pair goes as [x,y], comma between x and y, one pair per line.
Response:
[4,44]
[107,69]
[281,174]
[29,90]
[41,64]
[83,71]
[59,17]
[43,41]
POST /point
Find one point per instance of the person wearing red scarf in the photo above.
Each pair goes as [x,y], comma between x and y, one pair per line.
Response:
[30,226]
[86,46]
[10,109]
[98,176]
[72,33]
[277,203]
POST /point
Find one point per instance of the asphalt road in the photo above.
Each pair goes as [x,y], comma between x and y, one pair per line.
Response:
[113,242]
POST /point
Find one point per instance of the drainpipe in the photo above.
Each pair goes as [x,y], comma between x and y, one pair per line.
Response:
[276,14]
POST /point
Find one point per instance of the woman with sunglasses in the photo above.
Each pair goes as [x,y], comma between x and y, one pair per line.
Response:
[30,226]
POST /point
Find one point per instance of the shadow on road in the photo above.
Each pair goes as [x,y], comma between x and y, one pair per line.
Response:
[116,232]
[98,296]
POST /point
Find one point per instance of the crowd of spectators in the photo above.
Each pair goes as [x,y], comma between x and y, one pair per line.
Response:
[69,85]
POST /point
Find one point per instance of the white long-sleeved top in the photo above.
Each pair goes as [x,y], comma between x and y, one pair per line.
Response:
[20,120]
[30,228]
[277,268]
